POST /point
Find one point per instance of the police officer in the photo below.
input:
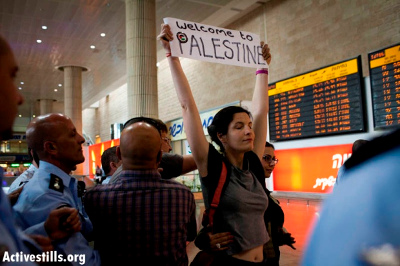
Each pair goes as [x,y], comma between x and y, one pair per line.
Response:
[12,239]
[59,148]
[359,223]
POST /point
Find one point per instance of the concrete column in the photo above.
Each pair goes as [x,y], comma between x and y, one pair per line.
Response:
[141,58]
[46,106]
[73,99]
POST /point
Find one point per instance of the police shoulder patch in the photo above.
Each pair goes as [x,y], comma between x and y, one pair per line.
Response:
[56,183]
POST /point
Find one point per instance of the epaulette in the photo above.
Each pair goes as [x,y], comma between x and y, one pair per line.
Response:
[56,183]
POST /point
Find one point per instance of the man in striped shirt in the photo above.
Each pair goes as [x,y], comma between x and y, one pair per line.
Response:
[142,219]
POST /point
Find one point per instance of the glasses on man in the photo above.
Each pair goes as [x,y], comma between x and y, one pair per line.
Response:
[167,140]
[269,159]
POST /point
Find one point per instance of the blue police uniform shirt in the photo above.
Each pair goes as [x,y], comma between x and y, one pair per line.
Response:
[361,218]
[49,189]
[22,179]
[12,239]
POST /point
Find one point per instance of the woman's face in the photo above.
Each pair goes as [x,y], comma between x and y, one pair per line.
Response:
[269,153]
[240,135]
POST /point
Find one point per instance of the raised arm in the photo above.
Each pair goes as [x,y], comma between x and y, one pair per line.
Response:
[260,104]
[191,117]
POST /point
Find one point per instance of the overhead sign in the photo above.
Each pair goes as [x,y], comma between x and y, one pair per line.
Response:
[6,157]
[296,173]
[323,102]
[177,131]
[19,136]
[213,44]
[384,69]
[176,128]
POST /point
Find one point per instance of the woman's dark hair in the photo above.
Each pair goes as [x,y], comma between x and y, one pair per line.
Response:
[221,122]
[267,144]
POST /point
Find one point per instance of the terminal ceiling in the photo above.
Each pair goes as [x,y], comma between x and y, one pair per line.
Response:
[73,26]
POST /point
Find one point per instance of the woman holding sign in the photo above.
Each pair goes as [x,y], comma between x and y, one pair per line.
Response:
[241,140]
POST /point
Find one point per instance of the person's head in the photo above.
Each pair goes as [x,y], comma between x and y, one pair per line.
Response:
[358,144]
[232,130]
[10,98]
[55,140]
[160,125]
[268,159]
[140,146]
[110,161]
[151,121]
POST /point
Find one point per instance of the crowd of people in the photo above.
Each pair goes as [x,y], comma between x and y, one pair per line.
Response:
[138,215]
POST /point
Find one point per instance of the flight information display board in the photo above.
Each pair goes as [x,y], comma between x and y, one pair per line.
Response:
[384,70]
[322,102]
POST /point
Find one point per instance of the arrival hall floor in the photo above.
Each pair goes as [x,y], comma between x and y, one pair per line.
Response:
[299,219]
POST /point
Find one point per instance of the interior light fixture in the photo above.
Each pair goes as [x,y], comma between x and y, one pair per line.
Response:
[33,115]
[20,115]
[22,82]
[44,27]
[158,64]
[39,41]
[55,90]
[92,46]
[102,34]
[19,88]
[60,85]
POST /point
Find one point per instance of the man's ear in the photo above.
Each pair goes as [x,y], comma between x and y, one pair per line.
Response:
[50,147]
[113,165]
[119,153]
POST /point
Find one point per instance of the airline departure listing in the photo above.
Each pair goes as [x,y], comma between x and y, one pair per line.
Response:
[384,69]
[323,102]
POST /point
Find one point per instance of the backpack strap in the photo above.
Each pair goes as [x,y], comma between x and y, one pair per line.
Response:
[217,194]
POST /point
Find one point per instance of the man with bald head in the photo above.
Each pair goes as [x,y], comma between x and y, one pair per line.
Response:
[59,148]
[12,240]
[141,218]
[55,140]
[171,165]
[143,149]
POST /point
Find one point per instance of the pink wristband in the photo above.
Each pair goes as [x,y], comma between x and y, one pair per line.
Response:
[168,54]
[262,71]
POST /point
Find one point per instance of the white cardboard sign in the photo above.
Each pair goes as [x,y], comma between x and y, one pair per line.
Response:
[213,44]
